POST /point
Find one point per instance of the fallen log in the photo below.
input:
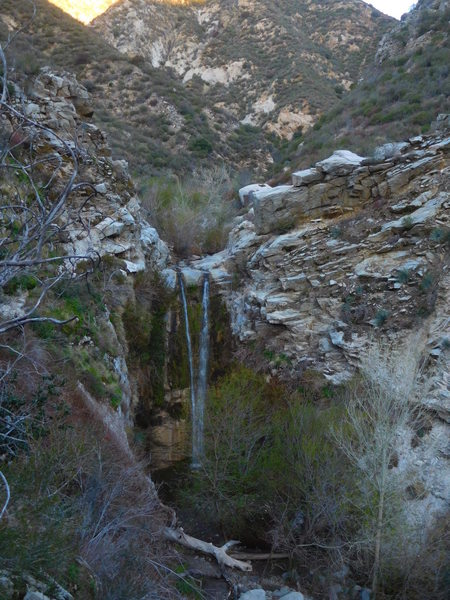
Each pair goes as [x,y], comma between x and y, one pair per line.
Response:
[219,553]
[260,555]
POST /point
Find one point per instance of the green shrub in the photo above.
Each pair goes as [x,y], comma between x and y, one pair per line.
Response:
[269,460]
[381,317]
[20,282]
[201,147]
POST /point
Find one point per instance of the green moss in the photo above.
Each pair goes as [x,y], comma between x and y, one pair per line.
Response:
[20,282]
[157,352]
[137,323]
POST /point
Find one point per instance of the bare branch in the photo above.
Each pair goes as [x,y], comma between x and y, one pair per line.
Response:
[220,554]
[8,495]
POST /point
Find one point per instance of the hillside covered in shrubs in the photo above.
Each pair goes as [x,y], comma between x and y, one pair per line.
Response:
[401,92]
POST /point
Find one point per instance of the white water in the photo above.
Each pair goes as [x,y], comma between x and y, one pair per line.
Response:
[202,381]
[198,393]
[190,358]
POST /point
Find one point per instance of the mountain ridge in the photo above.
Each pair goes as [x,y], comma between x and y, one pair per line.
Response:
[293,58]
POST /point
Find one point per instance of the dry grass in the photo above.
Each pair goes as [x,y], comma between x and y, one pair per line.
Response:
[192,216]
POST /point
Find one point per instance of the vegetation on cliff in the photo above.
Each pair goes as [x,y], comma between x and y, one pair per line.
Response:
[92,354]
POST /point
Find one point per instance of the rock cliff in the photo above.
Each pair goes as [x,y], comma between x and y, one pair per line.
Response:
[101,221]
[355,249]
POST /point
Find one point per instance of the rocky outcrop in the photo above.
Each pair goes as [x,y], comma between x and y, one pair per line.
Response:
[356,248]
[101,219]
[115,224]
[28,587]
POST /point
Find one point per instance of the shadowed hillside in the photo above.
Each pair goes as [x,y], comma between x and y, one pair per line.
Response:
[401,93]
[151,119]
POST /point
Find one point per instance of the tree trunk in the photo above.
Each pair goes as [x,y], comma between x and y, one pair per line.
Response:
[379,531]
[220,554]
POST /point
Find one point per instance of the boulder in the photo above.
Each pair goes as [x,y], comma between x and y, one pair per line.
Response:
[340,163]
[386,151]
[305,177]
[293,596]
[155,249]
[32,110]
[253,595]
[192,277]
[110,227]
[279,208]
[246,192]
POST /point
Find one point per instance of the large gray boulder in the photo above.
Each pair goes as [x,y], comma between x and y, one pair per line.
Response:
[340,163]
[307,176]
[279,208]
[254,595]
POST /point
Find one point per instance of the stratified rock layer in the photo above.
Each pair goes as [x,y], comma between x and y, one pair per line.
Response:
[356,249]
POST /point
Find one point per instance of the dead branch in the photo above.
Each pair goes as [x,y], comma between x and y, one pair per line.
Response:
[220,554]
[8,495]
[30,222]
[261,555]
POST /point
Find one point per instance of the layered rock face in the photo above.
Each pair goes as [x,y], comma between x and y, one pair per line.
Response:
[314,264]
[101,217]
[112,225]
[355,249]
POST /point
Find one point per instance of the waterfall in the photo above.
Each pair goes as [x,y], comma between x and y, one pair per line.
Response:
[190,359]
[198,392]
[202,382]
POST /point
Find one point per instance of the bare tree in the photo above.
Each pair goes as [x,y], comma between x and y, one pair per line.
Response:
[34,218]
[380,407]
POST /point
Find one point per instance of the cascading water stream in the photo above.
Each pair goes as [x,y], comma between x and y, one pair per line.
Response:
[190,358]
[202,382]
[198,392]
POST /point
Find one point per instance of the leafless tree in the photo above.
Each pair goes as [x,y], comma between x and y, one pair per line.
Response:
[380,407]
[34,218]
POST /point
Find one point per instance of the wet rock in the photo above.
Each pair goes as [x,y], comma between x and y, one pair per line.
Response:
[254,595]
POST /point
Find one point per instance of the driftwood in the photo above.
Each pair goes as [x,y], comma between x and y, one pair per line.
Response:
[260,556]
[220,554]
